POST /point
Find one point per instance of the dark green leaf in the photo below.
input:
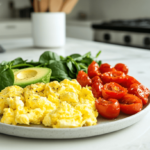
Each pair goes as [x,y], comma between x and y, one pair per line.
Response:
[17,61]
[71,67]
[6,77]
[87,61]
[47,56]
[99,62]
[75,56]
[59,70]
[22,66]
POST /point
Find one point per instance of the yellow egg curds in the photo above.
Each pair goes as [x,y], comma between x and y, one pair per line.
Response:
[57,105]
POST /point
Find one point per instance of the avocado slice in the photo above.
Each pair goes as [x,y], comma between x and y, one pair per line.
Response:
[24,77]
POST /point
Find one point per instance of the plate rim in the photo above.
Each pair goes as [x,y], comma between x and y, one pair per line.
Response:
[135,117]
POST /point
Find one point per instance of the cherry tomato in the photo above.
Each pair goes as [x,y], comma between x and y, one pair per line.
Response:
[93,69]
[113,90]
[113,76]
[97,89]
[128,81]
[83,79]
[130,104]
[105,67]
[121,67]
[140,91]
[109,109]
[96,79]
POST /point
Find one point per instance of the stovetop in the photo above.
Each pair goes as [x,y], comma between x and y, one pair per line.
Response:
[137,25]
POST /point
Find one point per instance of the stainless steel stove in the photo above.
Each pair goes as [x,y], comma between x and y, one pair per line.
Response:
[125,32]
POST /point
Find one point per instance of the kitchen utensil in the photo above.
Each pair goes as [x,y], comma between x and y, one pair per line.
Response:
[68,6]
[43,5]
[2,50]
[35,5]
[55,5]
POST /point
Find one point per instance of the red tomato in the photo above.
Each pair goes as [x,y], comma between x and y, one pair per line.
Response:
[121,67]
[97,89]
[105,68]
[96,79]
[140,91]
[113,90]
[83,79]
[130,104]
[109,109]
[113,76]
[128,81]
[93,70]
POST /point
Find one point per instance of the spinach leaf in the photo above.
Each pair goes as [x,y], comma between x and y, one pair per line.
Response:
[17,61]
[71,66]
[19,66]
[6,77]
[87,61]
[47,56]
[59,70]
[99,62]
[75,55]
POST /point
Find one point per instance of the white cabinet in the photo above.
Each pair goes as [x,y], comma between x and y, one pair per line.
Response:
[15,28]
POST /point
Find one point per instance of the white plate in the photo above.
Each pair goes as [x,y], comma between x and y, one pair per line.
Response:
[103,126]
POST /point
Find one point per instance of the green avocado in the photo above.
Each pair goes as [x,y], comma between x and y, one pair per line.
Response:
[24,77]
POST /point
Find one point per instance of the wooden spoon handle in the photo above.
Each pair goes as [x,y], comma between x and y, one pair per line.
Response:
[35,5]
[68,6]
[55,5]
[43,5]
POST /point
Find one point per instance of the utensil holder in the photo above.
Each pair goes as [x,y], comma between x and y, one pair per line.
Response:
[49,29]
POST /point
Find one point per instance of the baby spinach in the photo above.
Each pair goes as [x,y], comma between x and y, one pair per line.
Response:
[47,56]
[6,77]
[59,70]
[18,61]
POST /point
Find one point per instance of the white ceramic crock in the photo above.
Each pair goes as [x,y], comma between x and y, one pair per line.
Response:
[49,29]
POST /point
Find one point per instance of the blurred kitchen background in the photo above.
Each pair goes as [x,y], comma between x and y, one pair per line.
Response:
[124,22]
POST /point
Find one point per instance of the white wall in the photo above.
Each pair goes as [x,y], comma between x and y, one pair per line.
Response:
[120,9]
[81,6]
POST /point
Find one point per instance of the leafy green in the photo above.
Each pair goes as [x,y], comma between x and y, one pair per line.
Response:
[48,55]
[62,67]
[18,61]
[6,77]
[59,70]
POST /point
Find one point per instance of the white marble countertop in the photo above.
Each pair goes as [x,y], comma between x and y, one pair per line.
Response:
[135,137]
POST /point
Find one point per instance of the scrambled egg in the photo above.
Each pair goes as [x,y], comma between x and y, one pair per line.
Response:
[57,105]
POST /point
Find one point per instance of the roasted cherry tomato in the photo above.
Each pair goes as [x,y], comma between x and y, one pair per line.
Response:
[128,81]
[109,109]
[93,70]
[130,104]
[113,76]
[83,79]
[96,79]
[113,90]
[121,67]
[105,68]
[97,89]
[140,91]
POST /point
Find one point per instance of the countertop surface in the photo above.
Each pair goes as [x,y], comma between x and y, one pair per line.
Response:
[135,137]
